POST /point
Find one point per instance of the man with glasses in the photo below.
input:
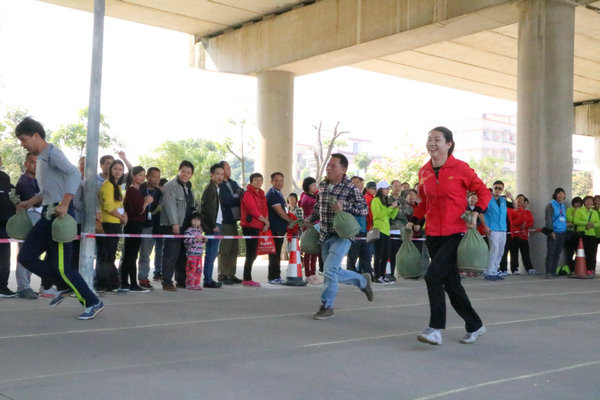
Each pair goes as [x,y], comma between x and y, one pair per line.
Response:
[494,223]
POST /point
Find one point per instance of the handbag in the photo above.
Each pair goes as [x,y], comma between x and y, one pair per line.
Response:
[373,235]
[266,244]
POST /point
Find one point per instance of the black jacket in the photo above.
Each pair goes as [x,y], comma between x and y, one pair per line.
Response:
[7,208]
[229,202]
[209,208]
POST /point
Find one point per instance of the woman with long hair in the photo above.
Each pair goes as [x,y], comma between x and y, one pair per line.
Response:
[444,183]
[113,217]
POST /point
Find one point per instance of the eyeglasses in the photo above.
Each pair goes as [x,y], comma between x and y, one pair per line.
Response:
[498,188]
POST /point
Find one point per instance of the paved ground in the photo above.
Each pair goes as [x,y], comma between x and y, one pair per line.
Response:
[261,343]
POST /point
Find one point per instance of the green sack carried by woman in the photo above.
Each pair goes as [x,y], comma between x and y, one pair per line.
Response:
[309,241]
[345,224]
[64,229]
[19,225]
[409,261]
[473,252]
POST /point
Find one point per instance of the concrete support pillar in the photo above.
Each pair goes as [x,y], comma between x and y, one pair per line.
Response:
[275,125]
[545,106]
[596,172]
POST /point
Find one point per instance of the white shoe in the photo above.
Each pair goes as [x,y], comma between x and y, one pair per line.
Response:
[431,336]
[471,337]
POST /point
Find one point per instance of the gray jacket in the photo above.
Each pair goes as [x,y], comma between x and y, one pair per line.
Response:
[174,204]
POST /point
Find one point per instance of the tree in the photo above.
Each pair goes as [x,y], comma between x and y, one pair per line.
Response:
[241,152]
[200,152]
[236,169]
[74,136]
[582,183]
[362,161]
[404,168]
[11,152]
[321,154]
[491,169]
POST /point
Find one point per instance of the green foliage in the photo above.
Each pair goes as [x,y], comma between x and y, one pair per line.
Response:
[491,169]
[11,152]
[362,161]
[582,183]
[404,168]
[200,152]
[74,135]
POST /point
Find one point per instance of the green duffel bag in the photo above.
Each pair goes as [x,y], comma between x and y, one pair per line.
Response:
[64,229]
[409,260]
[473,252]
[309,241]
[19,225]
[345,225]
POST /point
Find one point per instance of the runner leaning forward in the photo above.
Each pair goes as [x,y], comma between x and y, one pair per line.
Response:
[443,185]
[58,180]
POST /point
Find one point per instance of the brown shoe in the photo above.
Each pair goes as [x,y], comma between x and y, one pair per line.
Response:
[324,313]
[169,287]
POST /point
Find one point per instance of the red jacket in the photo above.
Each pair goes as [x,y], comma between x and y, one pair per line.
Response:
[368,198]
[443,198]
[253,206]
[517,218]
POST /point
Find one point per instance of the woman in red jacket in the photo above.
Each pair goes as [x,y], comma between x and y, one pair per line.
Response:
[254,218]
[521,220]
[443,185]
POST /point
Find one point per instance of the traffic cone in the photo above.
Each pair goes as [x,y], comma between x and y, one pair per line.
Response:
[580,267]
[294,271]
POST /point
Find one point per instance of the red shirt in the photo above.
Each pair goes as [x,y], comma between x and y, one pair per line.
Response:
[253,206]
[517,218]
[443,197]
[368,198]
[134,205]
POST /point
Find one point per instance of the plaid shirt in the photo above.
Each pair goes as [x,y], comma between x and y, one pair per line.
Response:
[354,203]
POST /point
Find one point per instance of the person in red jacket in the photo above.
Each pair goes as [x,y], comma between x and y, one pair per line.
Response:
[443,185]
[521,220]
[254,218]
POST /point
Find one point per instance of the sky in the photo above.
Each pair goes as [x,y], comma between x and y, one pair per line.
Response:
[150,94]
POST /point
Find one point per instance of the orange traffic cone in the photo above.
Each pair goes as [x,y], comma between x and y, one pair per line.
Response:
[294,271]
[580,267]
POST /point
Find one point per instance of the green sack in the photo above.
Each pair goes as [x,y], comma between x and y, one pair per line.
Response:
[309,241]
[64,229]
[473,252]
[409,260]
[345,225]
[19,225]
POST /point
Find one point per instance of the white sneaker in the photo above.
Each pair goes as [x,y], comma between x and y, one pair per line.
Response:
[431,336]
[471,337]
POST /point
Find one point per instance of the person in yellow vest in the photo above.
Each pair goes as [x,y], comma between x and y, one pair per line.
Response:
[383,209]
[586,220]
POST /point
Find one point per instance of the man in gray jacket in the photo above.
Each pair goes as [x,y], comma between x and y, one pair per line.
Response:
[177,207]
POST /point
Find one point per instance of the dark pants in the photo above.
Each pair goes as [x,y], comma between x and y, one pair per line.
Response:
[174,259]
[504,260]
[228,252]
[590,246]
[382,254]
[4,258]
[275,258]
[571,244]
[395,243]
[517,244]
[442,275]
[251,245]
[106,272]
[57,264]
[362,251]
[553,251]
[131,250]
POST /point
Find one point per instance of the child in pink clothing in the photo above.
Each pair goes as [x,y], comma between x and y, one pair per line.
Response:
[194,247]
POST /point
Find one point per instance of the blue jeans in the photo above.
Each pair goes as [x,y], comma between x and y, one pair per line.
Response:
[210,255]
[333,251]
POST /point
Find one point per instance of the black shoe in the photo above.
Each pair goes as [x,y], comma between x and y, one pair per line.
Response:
[212,285]
[180,285]
[7,293]
[226,281]
[235,279]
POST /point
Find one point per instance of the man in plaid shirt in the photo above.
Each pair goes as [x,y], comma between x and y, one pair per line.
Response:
[337,193]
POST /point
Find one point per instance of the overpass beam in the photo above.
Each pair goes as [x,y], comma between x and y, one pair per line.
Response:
[545,106]
[275,124]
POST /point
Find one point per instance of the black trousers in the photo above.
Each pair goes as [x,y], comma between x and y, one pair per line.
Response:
[275,258]
[174,259]
[362,251]
[4,257]
[571,243]
[590,246]
[251,245]
[382,254]
[442,275]
[516,245]
[131,250]
[395,243]
[106,272]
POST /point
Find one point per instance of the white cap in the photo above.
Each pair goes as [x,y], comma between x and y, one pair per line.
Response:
[382,185]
